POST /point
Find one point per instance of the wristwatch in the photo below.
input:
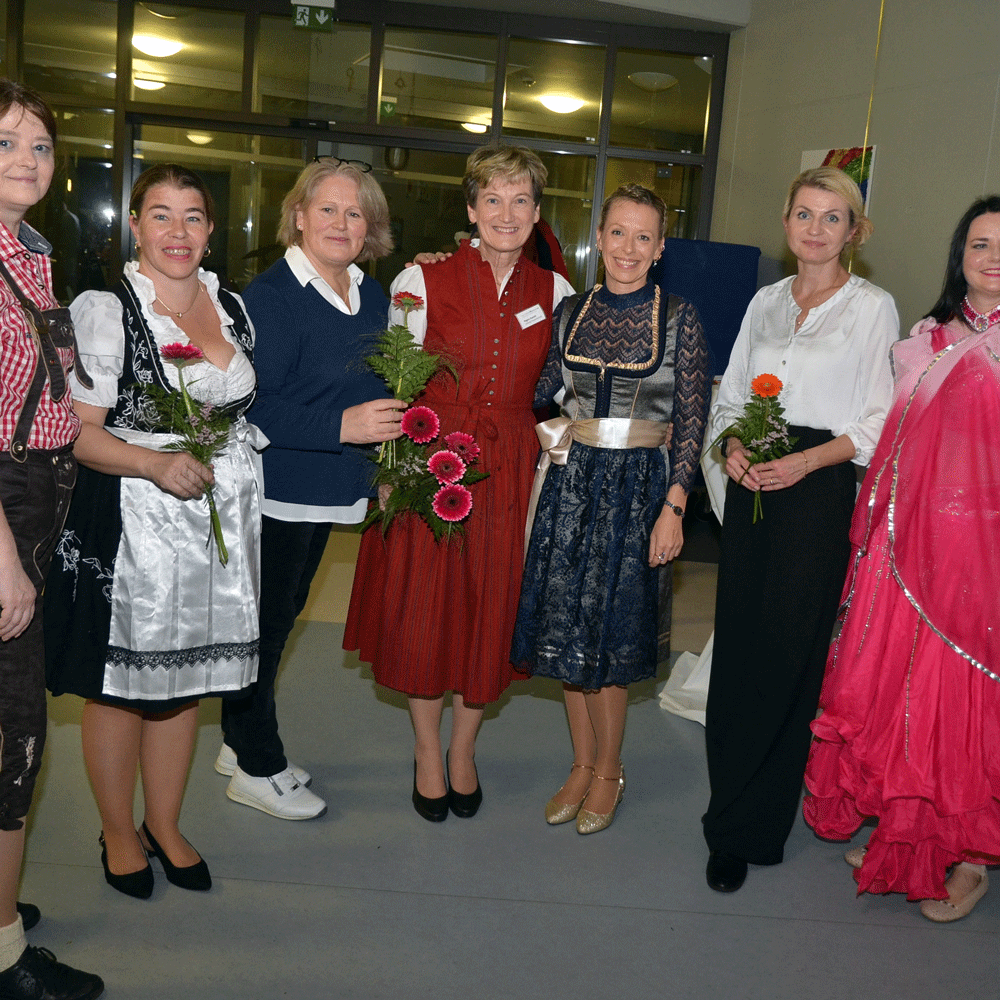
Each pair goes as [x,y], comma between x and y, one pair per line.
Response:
[679,511]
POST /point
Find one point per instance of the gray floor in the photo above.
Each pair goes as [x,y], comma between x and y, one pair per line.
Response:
[371,901]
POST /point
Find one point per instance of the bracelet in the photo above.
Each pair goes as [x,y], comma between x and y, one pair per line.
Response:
[805,468]
[679,511]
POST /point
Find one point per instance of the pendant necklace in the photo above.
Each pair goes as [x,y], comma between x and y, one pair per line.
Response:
[977,320]
[180,314]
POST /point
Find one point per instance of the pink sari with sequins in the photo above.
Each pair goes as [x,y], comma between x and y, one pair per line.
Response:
[910,728]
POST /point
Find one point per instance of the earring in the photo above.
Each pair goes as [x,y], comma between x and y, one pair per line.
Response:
[207,252]
[138,249]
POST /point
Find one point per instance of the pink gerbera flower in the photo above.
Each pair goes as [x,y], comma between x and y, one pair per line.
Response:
[452,503]
[463,444]
[181,354]
[421,424]
[447,466]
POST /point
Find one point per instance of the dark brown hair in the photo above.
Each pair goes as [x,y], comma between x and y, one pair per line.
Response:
[17,95]
[176,176]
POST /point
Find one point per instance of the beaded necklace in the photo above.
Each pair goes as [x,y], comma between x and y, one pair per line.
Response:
[977,320]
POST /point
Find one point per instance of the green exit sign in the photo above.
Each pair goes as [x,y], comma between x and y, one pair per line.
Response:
[313,18]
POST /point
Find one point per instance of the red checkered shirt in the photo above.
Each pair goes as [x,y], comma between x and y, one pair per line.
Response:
[56,424]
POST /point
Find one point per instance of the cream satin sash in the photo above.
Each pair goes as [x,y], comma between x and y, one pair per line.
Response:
[558,434]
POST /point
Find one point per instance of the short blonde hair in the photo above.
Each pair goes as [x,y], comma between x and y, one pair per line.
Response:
[505,163]
[836,182]
[371,201]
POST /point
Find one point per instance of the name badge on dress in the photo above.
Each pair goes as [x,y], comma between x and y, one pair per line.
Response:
[530,316]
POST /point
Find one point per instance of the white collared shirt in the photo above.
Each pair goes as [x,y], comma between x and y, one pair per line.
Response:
[305,274]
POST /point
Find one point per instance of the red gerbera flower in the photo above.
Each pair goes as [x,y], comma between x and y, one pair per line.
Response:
[452,503]
[407,301]
[420,424]
[463,444]
[766,385]
[446,466]
[181,354]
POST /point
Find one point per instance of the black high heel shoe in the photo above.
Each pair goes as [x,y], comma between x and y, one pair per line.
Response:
[432,810]
[196,876]
[464,805]
[137,884]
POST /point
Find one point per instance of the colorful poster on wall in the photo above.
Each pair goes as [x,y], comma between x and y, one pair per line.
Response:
[857,166]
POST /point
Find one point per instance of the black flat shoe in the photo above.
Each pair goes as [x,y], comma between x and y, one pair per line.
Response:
[724,872]
[29,914]
[432,810]
[464,806]
[138,884]
[195,876]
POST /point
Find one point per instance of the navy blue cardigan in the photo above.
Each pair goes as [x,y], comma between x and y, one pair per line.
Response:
[308,357]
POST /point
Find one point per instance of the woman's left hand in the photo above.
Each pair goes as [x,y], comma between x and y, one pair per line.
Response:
[783,472]
[667,538]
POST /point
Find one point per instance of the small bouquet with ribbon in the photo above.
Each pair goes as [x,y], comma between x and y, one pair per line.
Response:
[762,429]
[415,474]
[203,429]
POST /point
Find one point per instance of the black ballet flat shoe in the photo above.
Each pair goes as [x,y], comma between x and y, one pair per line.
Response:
[464,806]
[432,810]
[138,884]
[29,914]
[724,872]
[196,876]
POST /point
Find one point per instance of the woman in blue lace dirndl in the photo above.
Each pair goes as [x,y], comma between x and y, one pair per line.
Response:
[611,489]
[142,618]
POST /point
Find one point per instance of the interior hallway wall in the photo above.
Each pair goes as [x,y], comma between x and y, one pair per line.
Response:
[799,78]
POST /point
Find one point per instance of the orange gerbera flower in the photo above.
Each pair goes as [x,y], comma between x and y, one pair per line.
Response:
[766,385]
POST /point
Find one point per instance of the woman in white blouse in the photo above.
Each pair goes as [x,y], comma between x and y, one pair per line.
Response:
[142,616]
[826,335]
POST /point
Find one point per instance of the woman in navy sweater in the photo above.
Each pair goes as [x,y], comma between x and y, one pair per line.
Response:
[315,313]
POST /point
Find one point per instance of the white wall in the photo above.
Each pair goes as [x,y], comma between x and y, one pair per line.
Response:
[799,78]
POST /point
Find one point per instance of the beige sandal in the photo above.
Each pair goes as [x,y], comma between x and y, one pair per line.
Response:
[561,812]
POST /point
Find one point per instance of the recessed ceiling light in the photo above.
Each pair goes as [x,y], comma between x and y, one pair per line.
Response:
[148,84]
[477,127]
[561,104]
[154,45]
[200,138]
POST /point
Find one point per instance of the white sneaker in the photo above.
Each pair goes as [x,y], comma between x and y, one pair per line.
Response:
[225,764]
[280,795]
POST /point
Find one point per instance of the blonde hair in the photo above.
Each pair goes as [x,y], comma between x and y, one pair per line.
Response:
[505,163]
[640,196]
[836,182]
[371,201]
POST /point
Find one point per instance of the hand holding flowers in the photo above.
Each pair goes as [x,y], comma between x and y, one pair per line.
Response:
[762,432]
[202,429]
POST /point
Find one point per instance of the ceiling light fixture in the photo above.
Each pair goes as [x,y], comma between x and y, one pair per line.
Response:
[561,104]
[652,82]
[477,127]
[154,45]
[200,138]
[148,84]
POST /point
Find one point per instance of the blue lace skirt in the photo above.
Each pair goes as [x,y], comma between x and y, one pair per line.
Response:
[591,605]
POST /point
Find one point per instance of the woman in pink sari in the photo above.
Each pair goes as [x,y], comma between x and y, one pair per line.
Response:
[910,730]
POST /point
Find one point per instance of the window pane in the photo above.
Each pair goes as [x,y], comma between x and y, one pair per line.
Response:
[567,204]
[660,100]
[312,74]
[188,57]
[79,213]
[435,79]
[248,177]
[543,76]
[678,186]
[70,56]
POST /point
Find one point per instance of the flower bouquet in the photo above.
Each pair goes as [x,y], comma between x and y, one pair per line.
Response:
[415,474]
[203,429]
[762,429]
